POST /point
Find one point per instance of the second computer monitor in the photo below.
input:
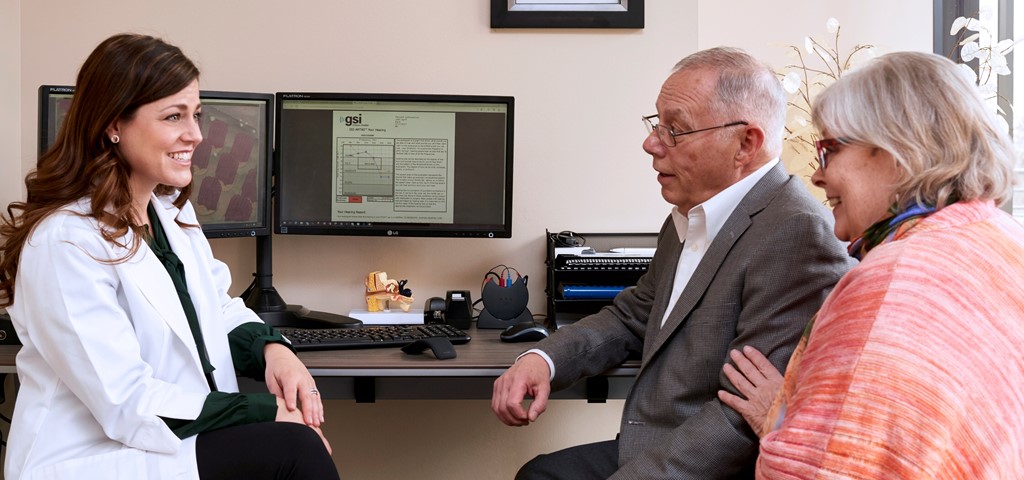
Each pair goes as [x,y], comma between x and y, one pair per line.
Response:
[394,165]
[231,167]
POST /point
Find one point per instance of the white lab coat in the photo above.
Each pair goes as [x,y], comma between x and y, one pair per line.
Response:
[108,350]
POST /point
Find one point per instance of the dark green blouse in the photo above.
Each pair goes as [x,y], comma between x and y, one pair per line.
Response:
[221,409]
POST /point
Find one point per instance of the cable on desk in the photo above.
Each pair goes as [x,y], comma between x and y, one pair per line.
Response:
[567,238]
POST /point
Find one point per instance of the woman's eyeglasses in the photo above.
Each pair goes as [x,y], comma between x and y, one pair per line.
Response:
[826,147]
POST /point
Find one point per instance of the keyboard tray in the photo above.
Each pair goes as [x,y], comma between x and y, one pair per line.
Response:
[369,336]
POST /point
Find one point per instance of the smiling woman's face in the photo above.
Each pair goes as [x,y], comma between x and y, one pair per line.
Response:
[859,183]
[157,142]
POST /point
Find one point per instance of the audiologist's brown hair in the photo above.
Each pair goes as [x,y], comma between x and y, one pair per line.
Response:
[121,74]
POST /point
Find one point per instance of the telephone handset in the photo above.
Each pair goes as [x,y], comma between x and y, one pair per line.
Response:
[433,311]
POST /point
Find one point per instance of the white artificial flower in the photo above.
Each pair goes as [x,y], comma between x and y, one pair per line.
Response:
[996,59]
[973,25]
[1001,121]
[958,25]
[860,58]
[998,64]
[970,38]
[809,45]
[985,39]
[985,11]
[869,52]
[1018,139]
[832,25]
[988,89]
[791,82]
[1004,46]
[969,74]
[970,51]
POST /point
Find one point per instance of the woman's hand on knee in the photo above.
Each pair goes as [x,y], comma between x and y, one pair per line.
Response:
[288,378]
[295,416]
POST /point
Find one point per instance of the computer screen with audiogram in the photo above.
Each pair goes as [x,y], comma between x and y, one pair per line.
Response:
[394,165]
[231,167]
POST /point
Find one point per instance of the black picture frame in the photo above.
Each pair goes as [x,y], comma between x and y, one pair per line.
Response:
[511,14]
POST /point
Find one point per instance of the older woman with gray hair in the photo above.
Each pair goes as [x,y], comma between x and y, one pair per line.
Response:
[913,367]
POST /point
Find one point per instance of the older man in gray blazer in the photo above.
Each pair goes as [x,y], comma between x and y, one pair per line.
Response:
[745,258]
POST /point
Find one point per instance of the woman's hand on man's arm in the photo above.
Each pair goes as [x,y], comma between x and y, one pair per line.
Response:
[758,381]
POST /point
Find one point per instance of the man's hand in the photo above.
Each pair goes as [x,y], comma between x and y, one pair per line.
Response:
[530,375]
[758,380]
[288,379]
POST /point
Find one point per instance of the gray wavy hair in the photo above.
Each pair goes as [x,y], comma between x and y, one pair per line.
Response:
[923,110]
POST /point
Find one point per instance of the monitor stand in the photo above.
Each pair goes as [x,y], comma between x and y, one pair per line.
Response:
[262,298]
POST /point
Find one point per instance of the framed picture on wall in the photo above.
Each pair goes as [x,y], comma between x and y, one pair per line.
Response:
[567,14]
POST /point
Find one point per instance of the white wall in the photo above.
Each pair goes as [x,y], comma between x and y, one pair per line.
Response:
[579,98]
[767,29]
[10,129]
[578,162]
[10,99]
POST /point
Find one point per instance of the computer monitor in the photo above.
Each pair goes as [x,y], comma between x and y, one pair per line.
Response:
[394,165]
[54,102]
[231,167]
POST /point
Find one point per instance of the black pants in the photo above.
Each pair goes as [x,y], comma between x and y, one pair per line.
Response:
[268,450]
[585,462]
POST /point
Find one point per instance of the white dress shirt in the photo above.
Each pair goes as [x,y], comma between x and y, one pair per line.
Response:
[699,227]
[696,230]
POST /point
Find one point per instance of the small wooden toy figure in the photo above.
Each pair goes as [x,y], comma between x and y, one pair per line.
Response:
[381,291]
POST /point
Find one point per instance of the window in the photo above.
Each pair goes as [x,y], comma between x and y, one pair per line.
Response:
[1000,20]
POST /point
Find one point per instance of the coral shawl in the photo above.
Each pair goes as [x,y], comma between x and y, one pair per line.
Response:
[914,367]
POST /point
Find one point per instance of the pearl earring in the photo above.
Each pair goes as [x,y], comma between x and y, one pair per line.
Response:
[115,139]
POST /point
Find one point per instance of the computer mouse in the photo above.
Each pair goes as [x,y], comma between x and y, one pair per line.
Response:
[524,332]
[441,347]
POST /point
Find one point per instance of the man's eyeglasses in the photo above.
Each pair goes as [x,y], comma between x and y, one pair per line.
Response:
[826,147]
[668,137]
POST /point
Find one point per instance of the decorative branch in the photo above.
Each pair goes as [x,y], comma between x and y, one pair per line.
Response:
[977,42]
[817,67]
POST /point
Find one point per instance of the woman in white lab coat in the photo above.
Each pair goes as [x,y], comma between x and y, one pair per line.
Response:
[131,341]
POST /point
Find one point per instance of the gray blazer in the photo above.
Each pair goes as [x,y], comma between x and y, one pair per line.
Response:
[762,278]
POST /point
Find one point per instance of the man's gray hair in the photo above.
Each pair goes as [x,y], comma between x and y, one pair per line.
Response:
[747,89]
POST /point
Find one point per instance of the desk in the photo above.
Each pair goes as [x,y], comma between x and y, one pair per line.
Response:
[386,373]
[7,355]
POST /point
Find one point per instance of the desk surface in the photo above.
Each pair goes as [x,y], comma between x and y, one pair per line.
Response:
[484,356]
[7,355]
[481,360]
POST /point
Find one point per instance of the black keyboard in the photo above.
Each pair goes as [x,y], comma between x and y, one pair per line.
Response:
[369,336]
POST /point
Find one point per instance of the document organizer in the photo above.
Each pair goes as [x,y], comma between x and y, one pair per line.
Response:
[582,280]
